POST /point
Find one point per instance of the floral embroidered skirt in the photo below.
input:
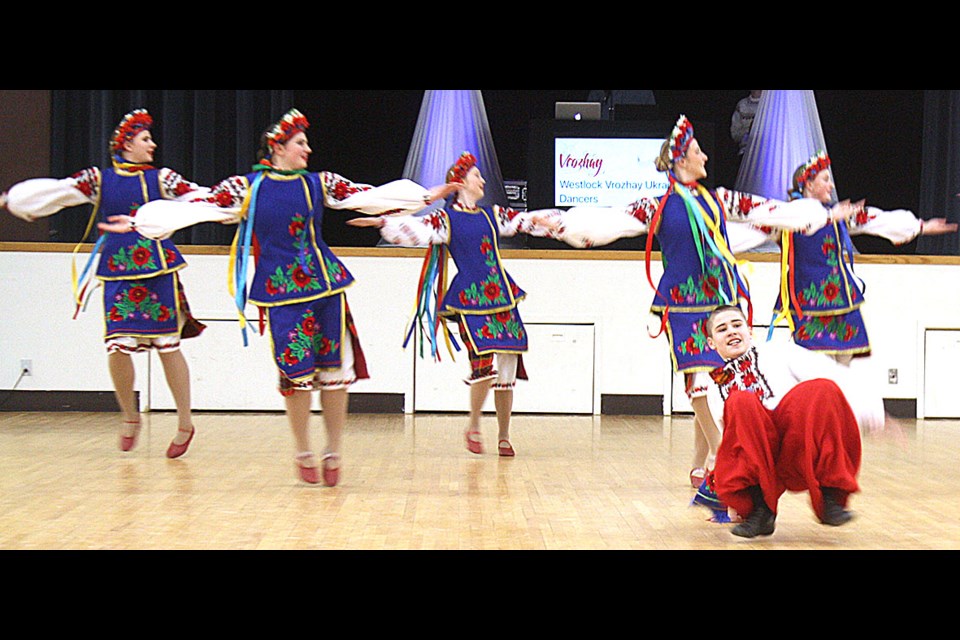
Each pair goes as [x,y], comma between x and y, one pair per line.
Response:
[307,337]
[689,351]
[501,332]
[840,334]
[142,308]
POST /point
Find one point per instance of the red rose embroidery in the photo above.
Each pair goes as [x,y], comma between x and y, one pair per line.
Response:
[830,291]
[491,290]
[325,345]
[138,294]
[141,256]
[309,326]
[223,199]
[296,227]
[300,278]
[504,316]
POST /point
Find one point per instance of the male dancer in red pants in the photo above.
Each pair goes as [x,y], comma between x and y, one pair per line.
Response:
[791,422]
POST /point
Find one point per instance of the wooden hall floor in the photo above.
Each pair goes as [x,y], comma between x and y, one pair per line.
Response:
[408,483]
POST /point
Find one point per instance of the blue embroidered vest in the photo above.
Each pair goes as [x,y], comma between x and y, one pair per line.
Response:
[294,262]
[687,285]
[823,283]
[481,285]
[128,256]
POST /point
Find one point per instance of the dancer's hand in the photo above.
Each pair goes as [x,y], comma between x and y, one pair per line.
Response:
[440,192]
[117,224]
[937,226]
[367,222]
[845,210]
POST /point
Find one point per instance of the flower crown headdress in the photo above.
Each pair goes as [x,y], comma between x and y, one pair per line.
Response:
[291,122]
[133,123]
[813,166]
[680,138]
[458,172]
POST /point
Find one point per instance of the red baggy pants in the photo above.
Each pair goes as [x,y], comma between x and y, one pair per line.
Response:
[811,440]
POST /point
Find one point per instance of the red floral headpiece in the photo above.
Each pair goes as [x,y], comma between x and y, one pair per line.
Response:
[291,122]
[133,123]
[458,172]
[680,138]
[813,166]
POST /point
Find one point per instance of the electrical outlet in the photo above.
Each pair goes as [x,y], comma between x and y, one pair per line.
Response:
[26,367]
[892,376]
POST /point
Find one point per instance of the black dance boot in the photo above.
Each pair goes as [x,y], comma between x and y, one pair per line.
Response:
[834,514]
[761,520]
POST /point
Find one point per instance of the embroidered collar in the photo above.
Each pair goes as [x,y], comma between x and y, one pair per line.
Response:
[459,206]
[131,167]
[264,165]
[742,373]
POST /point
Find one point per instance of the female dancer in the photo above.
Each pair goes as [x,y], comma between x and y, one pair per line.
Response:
[144,303]
[299,284]
[482,298]
[820,296]
[700,271]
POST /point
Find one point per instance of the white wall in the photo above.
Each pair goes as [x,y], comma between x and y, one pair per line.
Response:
[605,290]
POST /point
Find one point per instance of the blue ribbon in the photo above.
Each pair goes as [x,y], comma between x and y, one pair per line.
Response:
[243,258]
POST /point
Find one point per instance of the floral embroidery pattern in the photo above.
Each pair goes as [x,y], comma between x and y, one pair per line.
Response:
[136,257]
[173,184]
[229,193]
[335,270]
[339,187]
[861,217]
[643,209]
[703,290]
[743,374]
[833,327]
[489,291]
[138,302]
[304,340]
[696,343]
[298,275]
[87,182]
[828,292]
[500,325]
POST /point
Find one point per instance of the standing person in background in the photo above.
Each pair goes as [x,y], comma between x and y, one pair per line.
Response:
[741,122]
[144,303]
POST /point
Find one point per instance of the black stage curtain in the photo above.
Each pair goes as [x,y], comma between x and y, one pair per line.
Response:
[940,172]
[205,135]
